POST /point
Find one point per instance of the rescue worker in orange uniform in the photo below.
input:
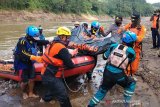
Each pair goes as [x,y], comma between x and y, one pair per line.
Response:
[55,55]
[154,29]
[140,31]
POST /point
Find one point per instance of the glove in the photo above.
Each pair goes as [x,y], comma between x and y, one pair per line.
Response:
[101,29]
[36,58]
[73,52]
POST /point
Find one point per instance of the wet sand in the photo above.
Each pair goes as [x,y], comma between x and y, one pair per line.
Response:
[147,93]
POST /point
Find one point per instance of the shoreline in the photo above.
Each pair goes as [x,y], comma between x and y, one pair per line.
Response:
[41,16]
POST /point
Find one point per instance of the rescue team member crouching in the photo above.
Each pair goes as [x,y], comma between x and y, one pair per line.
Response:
[54,54]
[118,57]
[95,32]
[26,47]
[140,31]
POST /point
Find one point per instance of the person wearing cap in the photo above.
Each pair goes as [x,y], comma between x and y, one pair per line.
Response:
[154,28]
[42,40]
[85,25]
[113,29]
[76,24]
[41,35]
[140,30]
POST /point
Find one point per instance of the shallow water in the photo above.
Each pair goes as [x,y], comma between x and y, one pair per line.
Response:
[9,34]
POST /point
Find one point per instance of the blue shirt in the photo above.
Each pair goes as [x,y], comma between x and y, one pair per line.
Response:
[114,69]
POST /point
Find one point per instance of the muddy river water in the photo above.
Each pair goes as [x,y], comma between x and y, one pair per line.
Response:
[10,96]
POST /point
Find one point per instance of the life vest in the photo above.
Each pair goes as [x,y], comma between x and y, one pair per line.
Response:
[19,62]
[48,58]
[138,45]
[118,57]
[154,22]
[31,48]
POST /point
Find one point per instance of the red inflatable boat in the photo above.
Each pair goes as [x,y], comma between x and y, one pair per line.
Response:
[83,64]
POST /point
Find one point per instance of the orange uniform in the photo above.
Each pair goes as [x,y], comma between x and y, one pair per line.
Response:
[55,54]
[140,32]
[154,21]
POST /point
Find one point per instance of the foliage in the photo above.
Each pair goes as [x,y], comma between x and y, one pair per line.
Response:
[156,5]
[111,7]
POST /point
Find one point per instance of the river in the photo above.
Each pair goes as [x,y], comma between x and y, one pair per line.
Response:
[9,34]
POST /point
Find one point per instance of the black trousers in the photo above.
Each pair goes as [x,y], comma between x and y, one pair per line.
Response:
[110,79]
[155,38]
[55,88]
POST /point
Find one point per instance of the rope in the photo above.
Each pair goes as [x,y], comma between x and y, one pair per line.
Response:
[74,91]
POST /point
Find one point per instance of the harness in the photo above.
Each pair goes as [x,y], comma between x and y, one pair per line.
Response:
[118,57]
[50,60]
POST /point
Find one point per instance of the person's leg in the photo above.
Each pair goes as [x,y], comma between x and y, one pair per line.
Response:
[23,86]
[48,95]
[101,93]
[31,87]
[31,83]
[134,65]
[23,83]
[89,75]
[158,39]
[154,38]
[129,85]
[59,92]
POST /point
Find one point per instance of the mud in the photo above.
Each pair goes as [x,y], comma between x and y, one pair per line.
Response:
[147,93]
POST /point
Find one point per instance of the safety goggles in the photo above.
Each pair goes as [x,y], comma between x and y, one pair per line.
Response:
[94,28]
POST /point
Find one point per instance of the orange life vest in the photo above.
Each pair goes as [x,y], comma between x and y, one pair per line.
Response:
[140,32]
[48,56]
[154,22]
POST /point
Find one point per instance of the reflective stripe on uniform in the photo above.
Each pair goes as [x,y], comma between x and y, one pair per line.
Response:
[127,95]
[104,55]
[96,99]
[129,92]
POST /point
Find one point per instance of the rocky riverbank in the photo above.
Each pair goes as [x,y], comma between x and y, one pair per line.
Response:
[41,16]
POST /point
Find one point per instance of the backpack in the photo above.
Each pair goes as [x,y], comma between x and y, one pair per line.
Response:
[118,57]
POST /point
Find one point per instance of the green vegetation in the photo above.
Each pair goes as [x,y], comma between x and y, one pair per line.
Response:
[156,5]
[111,7]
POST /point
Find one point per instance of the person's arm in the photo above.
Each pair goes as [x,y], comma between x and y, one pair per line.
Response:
[131,54]
[141,34]
[151,19]
[107,53]
[66,57]
[42,42]
[109,30]
[124,28]
[23,50]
